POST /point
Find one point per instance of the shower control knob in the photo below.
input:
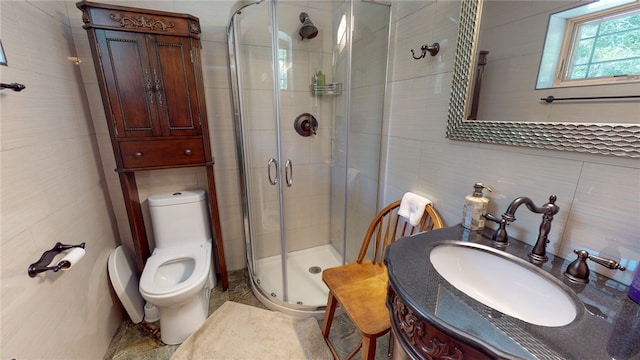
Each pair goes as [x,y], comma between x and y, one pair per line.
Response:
[306,125]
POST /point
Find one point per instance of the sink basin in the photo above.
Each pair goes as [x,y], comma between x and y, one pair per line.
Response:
[505,283]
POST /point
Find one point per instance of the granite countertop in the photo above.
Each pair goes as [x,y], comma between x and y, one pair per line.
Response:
[606,327]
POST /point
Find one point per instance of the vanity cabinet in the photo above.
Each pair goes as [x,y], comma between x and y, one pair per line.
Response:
[150,78]
[416,338]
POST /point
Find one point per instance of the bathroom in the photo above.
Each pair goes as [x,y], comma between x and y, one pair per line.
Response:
[58,185]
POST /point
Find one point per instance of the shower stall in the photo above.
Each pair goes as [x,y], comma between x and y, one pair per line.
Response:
[308,81]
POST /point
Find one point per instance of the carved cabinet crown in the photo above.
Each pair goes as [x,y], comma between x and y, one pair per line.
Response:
[113,17]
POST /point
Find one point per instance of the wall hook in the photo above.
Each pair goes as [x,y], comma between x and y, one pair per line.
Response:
[12,86]
[432,49]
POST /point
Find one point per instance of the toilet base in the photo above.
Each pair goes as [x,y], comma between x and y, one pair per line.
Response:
[179,321]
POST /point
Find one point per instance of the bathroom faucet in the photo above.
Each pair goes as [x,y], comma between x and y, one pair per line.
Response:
[548,210]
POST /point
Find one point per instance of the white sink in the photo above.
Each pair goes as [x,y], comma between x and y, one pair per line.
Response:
[505,283]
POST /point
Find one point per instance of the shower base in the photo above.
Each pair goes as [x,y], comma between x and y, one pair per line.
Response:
[307,295]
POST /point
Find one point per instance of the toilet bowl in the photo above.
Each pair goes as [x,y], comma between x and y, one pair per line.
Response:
[178,277]
[177,281]
[174,274]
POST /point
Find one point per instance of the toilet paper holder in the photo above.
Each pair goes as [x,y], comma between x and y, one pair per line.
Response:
[43,263]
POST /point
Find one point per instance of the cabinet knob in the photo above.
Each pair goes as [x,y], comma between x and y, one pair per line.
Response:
[187,152]
[137,155]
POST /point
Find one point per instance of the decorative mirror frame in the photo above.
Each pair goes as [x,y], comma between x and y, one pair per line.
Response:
[595,138]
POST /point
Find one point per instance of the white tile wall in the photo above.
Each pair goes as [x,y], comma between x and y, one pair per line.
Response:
[52,191]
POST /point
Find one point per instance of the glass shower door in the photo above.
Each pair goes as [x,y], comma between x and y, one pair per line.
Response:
[305,151]
[297,214]
[256,131]
[286,170]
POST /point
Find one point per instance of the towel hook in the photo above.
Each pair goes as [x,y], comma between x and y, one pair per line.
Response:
[13,86]
[432,49]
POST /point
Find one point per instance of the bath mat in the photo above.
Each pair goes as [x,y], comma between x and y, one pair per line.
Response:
[238,331]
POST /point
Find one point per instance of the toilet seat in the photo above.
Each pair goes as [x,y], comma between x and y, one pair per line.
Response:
[152,285]
[124,278]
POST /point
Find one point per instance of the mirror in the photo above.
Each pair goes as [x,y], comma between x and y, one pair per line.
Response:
[618,139]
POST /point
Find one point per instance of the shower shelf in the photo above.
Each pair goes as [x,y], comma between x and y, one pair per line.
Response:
[328,89]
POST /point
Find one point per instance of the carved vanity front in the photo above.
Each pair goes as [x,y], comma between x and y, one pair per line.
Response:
[416,338]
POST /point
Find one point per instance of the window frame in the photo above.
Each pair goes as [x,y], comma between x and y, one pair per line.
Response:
[567,50]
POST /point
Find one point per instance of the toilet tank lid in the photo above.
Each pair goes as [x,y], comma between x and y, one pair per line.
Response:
[177,197]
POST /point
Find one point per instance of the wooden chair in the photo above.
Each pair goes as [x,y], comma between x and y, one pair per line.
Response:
[361,287]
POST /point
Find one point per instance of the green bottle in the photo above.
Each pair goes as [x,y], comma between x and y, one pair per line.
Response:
[319,82]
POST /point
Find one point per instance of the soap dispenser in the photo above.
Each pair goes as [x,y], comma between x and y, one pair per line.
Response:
[475,206]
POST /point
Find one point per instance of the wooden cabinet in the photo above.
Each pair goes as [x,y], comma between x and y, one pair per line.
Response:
[150,78]
[151,83]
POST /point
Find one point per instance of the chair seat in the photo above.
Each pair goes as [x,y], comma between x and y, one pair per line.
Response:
[361,290]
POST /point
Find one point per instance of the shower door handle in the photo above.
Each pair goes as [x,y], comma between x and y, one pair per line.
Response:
[271,162]
[288,172]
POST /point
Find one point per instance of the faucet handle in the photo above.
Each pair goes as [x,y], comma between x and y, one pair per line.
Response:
[608,263]
[491,218]
[578,270]
[500,236]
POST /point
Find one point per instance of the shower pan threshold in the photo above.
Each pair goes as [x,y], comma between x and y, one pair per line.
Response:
[307,293]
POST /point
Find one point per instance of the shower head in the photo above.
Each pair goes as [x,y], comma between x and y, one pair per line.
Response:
[306,30]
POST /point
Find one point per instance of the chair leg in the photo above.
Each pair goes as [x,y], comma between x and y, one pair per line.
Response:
[327,321]
[353,352]
[328,315]
[368,351]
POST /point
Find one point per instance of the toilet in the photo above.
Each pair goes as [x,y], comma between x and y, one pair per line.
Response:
[178,277]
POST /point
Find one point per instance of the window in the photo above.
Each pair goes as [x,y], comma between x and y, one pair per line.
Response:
[605,47]
[285,60]
[283,66]
[590,45]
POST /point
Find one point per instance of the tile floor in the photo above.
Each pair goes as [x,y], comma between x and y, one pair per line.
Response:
[142,341]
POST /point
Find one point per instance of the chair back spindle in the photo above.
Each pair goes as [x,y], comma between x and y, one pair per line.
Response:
[388,226]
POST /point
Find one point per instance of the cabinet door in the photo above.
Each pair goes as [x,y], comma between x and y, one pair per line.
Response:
[174,83]
[129,83]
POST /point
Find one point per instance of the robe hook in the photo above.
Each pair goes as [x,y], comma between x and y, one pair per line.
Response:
[13,86]
[432,49]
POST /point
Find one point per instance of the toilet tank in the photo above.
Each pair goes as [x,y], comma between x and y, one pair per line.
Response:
[179,217]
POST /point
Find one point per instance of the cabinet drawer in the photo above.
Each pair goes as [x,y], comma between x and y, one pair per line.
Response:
[141,154]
